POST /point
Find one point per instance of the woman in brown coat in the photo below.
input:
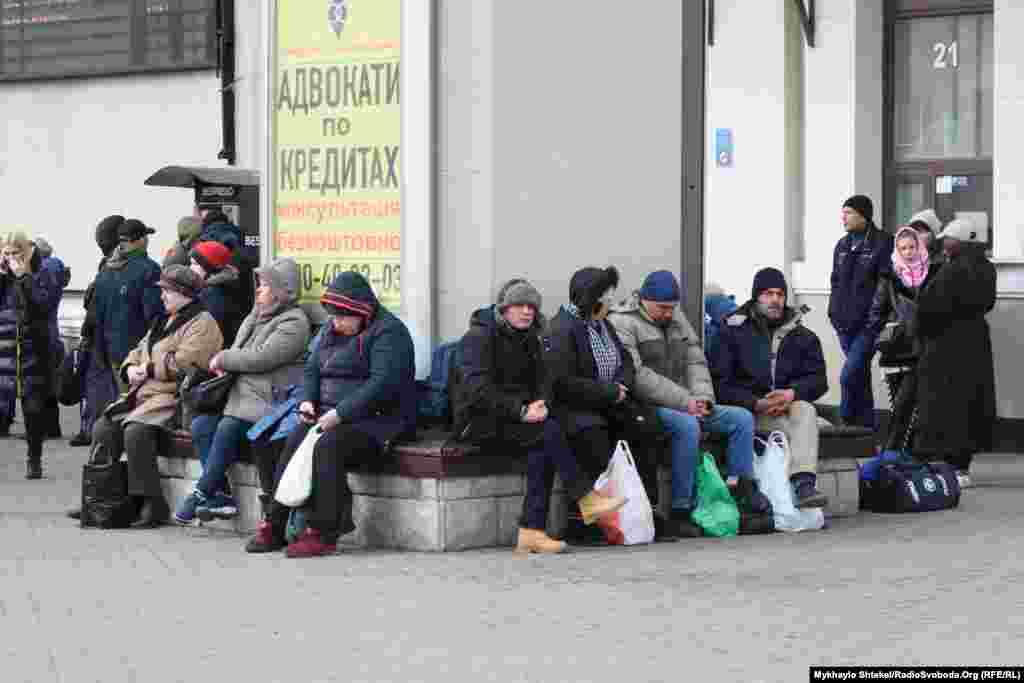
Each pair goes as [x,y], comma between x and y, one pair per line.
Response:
[185,337]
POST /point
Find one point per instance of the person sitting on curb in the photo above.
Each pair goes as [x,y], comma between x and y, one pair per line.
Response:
[772,365]
[359,389]
[222,292]
[502,399]
[672,374]
[272,337]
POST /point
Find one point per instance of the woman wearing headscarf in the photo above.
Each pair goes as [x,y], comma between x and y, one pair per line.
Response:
[359,390]
[272,337]
[185,337]
[892,320]
[26,299]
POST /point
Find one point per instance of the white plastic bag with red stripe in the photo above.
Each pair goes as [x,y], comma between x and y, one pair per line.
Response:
[633,523]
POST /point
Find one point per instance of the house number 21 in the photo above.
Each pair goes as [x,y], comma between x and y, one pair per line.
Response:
[946,55]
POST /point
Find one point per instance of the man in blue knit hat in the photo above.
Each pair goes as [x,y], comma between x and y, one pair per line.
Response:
[672,374]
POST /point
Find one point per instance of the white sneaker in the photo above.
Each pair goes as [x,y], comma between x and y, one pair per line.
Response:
[963,479]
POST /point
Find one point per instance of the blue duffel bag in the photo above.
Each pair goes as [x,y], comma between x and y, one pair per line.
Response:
[899,483]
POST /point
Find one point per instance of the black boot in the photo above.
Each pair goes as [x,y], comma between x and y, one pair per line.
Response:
[152,514]
[80,439]
[681,525]
[34,469]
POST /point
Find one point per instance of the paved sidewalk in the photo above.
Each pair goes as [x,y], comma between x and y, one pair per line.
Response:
[180,604]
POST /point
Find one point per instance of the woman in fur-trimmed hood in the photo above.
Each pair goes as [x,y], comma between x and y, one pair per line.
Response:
[26,298]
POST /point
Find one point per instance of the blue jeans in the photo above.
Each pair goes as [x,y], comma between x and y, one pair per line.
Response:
[684,429]
[857,406]
[218,439]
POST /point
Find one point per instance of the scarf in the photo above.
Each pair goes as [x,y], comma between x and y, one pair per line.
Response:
[606,354]
[912,273]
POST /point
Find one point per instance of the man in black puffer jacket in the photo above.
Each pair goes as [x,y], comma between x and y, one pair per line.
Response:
[861,257]
[772,365]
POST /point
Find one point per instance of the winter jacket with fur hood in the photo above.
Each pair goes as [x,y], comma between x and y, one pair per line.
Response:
[670,367]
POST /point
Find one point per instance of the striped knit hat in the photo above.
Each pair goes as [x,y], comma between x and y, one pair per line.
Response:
[349,294]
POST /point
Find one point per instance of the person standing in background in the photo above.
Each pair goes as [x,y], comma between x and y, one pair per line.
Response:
[100,387]
[60,276]
[127,296]
[860,257]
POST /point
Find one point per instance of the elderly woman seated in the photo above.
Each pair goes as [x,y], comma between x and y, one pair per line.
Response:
[360,391]
[185,337]
[272,337]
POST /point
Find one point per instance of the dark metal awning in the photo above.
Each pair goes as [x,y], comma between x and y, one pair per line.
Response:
[195,176]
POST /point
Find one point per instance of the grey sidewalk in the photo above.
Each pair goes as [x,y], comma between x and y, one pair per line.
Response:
[180,604]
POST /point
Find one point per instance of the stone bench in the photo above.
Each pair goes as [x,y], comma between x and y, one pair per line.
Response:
[432,496]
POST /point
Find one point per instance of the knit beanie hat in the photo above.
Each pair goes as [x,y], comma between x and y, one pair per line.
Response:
[212,256]
[661,286]
[768,278]
[517,292]
[283,276]
[106,233]
[188,229]
[349,294]
[862,205]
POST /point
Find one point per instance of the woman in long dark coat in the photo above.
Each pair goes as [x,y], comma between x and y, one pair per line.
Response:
[26,298]
[956,375]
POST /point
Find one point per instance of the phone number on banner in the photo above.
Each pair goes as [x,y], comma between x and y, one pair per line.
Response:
[384,276]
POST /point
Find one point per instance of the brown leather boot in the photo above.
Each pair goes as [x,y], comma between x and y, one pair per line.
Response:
[536,541]
[594,505]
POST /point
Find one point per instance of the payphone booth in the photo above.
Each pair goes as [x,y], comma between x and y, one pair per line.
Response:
[236,191]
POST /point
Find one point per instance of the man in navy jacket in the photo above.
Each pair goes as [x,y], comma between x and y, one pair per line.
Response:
[770,364]
[861,257]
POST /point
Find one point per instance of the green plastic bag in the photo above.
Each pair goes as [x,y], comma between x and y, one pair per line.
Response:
[716,511]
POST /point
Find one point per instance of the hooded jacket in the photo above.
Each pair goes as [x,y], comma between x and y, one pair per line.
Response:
[264,350]
[369,378]
[670,367]
[753,360]
[502,372]
[127,301]
[223,297]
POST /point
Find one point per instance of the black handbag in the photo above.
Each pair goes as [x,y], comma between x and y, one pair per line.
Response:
[205,392]
[72,381]
[125,404]
[105,500]
[639,421]
[895,345]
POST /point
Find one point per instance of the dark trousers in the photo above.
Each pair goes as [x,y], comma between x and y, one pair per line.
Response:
[542,461]
[141,444]
[857,403]
[35,430]
[329,508]
[100,390]
[903,405]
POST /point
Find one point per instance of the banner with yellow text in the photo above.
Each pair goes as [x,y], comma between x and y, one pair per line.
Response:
[336,119]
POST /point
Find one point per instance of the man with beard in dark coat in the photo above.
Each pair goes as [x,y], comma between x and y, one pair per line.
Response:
[502,401]
[956,375]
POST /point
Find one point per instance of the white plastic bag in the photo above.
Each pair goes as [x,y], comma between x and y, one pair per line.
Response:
[633,523]
[770,472]
[297,480]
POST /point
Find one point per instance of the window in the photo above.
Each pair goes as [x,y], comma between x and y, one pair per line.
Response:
[939,93]
[58,38]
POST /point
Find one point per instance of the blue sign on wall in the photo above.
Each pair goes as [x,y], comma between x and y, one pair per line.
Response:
[723,147]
